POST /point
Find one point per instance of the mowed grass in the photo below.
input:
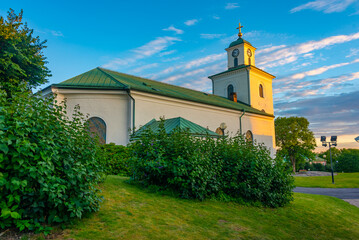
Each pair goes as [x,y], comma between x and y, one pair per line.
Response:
[129,212]
[342,180]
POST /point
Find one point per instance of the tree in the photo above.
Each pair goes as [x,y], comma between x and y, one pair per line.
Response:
[326,154]
[348,160]
[294,139]
[21,59]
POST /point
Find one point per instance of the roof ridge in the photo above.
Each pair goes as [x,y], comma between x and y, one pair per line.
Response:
[114,79]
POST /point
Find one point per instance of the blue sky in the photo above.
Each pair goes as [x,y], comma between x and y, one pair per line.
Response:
[312,47]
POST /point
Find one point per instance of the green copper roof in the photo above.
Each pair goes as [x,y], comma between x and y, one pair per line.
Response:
[240,67]
[238,41]
[100,78]
[173,123]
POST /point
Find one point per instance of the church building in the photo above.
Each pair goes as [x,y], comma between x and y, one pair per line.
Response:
[241,100]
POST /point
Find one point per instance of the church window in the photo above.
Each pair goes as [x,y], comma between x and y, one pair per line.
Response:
[249,136]
[249,61]
[236,62]
[261,93]
[97,127]
[230,91]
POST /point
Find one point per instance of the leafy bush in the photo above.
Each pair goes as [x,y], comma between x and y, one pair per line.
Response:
[48,168]
[115,159]
[348,161]
[201,168]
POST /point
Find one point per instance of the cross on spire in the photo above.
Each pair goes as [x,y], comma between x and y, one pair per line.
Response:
[240,32]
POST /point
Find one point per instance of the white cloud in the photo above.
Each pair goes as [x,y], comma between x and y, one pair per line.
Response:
[57,33]
[326,6]
[156,46]
[147,50]
[270,49]
[231,6]
[172,28]
[191,22]
[167,53]
[199,62]
[144,67]
[353,52]
[314,72]
[292,53]
[216,17]
[211,35]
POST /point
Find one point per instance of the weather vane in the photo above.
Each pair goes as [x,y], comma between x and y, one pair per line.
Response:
[240,31]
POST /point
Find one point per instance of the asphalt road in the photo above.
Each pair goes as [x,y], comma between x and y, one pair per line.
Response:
[342,193]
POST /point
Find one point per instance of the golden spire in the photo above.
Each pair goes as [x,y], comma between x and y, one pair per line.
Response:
[240,32]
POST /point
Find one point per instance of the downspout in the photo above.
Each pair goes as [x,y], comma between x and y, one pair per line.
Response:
[240,121]
[133,109]
[249,88]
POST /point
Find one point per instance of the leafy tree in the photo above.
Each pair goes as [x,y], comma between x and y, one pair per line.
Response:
[348,160]
[294,139]
[21,57]
[326,155]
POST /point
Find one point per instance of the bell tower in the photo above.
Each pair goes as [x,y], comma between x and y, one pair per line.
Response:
[240,52]
[243,81]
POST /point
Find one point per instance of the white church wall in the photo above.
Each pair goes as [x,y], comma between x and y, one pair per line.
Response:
[149,106]
[111,106]
[239,81]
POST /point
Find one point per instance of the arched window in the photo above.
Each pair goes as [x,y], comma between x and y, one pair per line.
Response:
[249,136]
[236,62]
[230,91]
[249,61]
[261,94]
[97,127]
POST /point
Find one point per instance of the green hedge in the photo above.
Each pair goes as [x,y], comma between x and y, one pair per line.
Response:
[115,159]
[48,166]
[201,168]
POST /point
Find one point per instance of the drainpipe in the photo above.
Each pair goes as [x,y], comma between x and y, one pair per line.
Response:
[240,121]
[133,110]
[249,88]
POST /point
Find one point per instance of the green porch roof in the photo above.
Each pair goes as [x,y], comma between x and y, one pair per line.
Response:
[100,78]
[173,123]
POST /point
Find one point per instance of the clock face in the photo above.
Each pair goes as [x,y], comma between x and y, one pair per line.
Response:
[249,53]
[235,53]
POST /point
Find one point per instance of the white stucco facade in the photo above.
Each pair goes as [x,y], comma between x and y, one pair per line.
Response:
[115,108]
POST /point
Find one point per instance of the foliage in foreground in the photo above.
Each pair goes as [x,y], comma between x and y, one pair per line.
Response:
[115,159]
[200,168]
[48,165]
[294,139]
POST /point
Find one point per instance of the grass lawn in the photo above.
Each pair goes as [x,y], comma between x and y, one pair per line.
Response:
[132,213]
[342,180]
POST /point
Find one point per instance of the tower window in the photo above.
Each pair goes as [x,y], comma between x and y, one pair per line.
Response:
[249,61]
[236,62]
[230,91]
[261,94]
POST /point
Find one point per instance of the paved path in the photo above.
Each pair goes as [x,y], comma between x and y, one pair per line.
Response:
[350,195]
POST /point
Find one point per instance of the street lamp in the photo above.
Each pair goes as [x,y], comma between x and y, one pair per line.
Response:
[223,127]
[332,142]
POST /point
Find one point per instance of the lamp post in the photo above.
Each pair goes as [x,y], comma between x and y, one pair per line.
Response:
[332,142]
[223,127]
